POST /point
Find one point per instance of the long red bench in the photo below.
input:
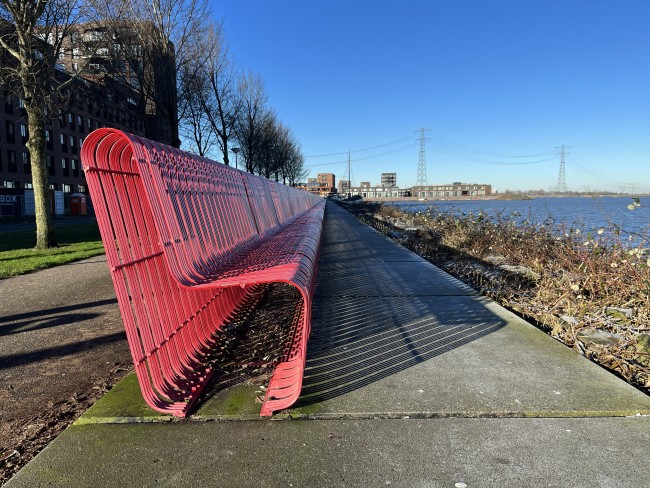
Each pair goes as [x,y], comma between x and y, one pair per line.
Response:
[187,241]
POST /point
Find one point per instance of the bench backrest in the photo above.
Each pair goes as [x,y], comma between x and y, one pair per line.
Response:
[191,196]
[168,220]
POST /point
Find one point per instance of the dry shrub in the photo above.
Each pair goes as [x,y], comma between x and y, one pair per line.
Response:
[582,282]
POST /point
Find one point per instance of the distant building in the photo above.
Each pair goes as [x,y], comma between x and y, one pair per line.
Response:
[387,189]
[324,184]
[455,189]
[326,180]
[344,187]
[372,192]
[389,179]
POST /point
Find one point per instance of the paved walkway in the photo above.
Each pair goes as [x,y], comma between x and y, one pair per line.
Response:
[412,380]
[53,324]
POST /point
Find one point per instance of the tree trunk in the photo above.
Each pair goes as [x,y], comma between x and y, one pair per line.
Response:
[224,140]
[36,145]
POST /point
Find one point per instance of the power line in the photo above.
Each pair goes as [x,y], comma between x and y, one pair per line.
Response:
[474,159]
[403,148]
[460,147]
[360,150]
[449,148]
[594,175]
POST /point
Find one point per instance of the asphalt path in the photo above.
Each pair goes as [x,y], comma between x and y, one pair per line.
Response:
[60,336]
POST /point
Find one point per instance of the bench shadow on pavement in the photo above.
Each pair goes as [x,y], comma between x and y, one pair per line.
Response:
[362,340]
[38,320]
[13,360]
[380,310]
[51,317]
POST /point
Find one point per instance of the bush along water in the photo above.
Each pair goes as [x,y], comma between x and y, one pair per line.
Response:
[589,290]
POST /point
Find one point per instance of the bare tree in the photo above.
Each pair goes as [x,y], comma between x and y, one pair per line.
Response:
[293,165]
[195,125]
[250,124]
[295,170]
[157,40]
[222,102]
[33,35]
[269,148]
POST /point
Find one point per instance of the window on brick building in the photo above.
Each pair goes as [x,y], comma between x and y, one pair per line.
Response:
[9,130]
[11,161]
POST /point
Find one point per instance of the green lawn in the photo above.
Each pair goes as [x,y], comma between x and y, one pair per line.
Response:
[17,255]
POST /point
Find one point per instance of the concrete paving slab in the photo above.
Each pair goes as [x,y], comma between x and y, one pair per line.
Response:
[360,251]
[346,240]
[124,404]
[421,357]
[439,357]
[483,453]
[368,278]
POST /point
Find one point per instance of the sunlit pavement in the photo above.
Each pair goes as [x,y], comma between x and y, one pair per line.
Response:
[412,379]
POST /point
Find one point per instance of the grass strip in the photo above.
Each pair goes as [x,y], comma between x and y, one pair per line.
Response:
[77,241]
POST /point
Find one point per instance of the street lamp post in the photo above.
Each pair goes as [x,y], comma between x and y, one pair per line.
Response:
[236,150]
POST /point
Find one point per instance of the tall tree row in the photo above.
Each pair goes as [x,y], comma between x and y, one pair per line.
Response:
[222,107]
[217,106]
[163,34]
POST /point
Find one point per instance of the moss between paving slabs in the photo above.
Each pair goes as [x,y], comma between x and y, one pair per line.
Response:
[124,404]
[237,402]
[304,409]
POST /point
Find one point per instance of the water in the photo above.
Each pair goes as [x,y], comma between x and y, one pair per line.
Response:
[586,213]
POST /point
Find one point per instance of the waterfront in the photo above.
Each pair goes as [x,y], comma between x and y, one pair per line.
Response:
[588,292]
[586,213]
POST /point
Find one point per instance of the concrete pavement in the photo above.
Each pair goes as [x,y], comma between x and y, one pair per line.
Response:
[412,380]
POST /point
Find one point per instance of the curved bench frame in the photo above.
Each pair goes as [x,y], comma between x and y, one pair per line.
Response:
[187,241]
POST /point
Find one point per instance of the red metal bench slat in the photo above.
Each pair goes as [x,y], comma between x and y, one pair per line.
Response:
[187,241]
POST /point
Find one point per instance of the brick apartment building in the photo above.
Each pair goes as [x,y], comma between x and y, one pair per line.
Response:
[324,184]
[92,102]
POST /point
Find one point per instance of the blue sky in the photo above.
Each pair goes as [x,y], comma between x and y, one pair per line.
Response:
[506,78]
